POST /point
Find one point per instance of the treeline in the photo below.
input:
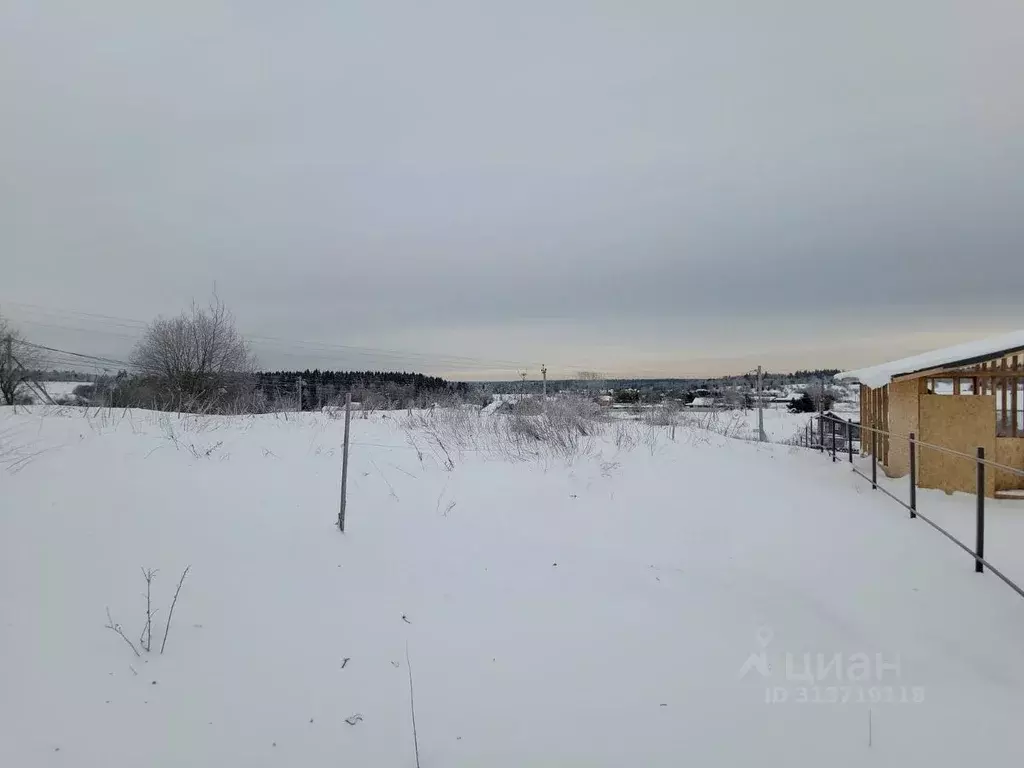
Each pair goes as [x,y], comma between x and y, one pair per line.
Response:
[64,375]
[816,374]
[269,391]
[313,389]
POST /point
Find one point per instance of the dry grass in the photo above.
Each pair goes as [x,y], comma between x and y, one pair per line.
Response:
[724,423]
[559,428]
[562,428]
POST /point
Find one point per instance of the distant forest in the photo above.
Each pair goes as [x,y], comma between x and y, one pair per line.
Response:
[375,388]
[272,390]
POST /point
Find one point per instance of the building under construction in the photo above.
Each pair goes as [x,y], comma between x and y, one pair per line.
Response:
[961,398]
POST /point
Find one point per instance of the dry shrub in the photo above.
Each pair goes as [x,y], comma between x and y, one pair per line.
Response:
[665,415]
[625,435]
[559,427]
[724,423]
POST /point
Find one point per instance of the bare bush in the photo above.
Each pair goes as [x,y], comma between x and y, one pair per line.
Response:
[565,425]
[196,359]
[625,436]
[371,401]
[84,392]
[17,358]
[724,423]
[664,415]
[146,638]
[448,431]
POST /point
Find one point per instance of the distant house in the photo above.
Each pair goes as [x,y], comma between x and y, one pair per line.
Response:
[702,402]
[962,398]
[843,425]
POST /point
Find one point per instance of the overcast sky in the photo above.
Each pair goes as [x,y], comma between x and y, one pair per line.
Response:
[638,188]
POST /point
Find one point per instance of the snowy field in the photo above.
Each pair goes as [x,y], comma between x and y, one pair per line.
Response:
[634,605]
[61,388]
[780,426]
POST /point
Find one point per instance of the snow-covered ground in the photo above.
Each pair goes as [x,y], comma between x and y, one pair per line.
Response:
[61,388]
[780,425]
[957,513]
[633,607]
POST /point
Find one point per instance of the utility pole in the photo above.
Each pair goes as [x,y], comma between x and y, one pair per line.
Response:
[522,387]
[761,436]
[544,373]
[298,393]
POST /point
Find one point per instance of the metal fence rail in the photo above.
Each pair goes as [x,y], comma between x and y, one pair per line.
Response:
[981,462]
[941,448]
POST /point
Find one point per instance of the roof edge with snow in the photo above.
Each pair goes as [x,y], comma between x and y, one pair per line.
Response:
[958,355]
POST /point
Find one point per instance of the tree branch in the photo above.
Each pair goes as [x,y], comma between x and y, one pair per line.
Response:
[174,602]
[412,707]
[117,628]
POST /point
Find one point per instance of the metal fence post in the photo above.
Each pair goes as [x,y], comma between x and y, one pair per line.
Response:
[344,461]
[833,423]
[979,546]
[874,459]
[821,434]
[849,438]
[913,477]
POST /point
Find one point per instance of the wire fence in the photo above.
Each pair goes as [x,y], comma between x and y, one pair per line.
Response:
[835,437]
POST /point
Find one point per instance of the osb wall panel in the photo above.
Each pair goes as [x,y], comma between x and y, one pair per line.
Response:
[960,422]
[869,417]
[865,419]
[1009,451]
[903,419]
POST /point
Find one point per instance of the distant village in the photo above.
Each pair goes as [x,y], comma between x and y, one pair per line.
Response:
[803,391]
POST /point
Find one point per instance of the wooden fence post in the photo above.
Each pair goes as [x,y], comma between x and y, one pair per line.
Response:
[344,461]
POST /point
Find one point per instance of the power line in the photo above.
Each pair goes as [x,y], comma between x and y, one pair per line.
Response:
[50,310]
[73,329]
[415,358]
[79,355]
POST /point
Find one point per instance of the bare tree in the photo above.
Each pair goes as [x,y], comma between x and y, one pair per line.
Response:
[17,359]
[591,380]
[197,356]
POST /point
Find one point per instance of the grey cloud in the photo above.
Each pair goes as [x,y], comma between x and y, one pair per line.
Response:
[376,174]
